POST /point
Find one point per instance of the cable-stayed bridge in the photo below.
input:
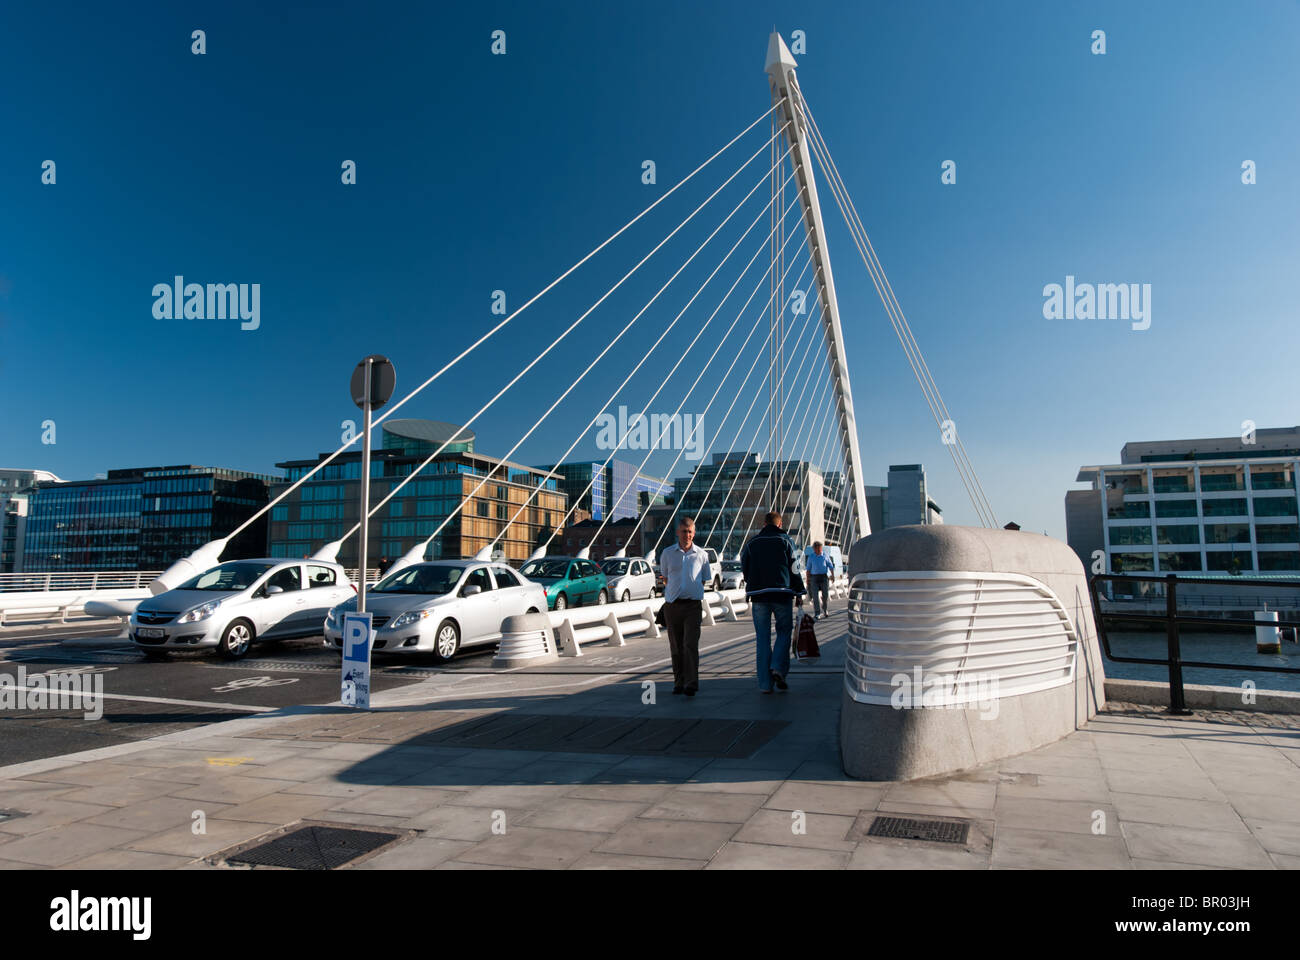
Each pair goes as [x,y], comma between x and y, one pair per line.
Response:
[765,373]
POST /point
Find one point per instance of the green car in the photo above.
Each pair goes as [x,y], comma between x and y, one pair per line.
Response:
[568,581]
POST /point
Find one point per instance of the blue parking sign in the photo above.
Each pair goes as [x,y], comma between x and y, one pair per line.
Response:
[357,634]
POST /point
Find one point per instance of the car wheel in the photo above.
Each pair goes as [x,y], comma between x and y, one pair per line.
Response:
[446,642]
[603,597]
[561,602]
[627,595]
[236,641]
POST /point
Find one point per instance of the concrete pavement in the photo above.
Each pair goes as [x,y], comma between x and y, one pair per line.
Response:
[578,765]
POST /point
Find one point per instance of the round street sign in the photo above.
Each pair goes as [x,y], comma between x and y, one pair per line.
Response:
[383,378]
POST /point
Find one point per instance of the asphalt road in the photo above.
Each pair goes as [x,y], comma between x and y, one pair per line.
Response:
[148,698]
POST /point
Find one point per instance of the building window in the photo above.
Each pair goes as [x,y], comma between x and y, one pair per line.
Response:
[1275,507]
[1129,535]
[1178,533]
[1233,561]
[1135,510]
[1131,563]
[1179,561]
[1231,507]
[1227,533]
[1175,508]
[1279,560]
[1277,533]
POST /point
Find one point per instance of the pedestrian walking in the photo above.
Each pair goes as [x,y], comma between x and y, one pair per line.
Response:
[820,568]
[772,583]
[686,570]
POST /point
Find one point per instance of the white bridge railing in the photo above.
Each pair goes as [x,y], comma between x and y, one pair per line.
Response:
[615,622]
[31,598]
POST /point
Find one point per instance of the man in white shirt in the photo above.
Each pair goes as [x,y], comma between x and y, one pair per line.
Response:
[686,569]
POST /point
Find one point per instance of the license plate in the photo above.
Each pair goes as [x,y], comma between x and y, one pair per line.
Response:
[150,634]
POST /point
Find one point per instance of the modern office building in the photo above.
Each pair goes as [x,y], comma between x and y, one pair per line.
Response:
[616,535]
[142,518]
[1225,505]
[616,490]
[472,497]
[904,500]
[730,496]
[15,488]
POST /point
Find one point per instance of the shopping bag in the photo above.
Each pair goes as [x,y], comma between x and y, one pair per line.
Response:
[806,639]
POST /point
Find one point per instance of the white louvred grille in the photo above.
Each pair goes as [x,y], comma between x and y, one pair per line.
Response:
[965,636]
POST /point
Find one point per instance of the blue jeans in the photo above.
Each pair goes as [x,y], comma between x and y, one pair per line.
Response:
[772,659]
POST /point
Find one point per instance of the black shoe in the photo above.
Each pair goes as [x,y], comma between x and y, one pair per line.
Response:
[676,690]
[689,691]
[779,681]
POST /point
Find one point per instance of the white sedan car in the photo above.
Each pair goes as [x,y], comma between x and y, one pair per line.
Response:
[440,606]
[239,603]
[629,578]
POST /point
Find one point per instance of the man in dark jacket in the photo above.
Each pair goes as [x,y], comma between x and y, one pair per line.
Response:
[772,582]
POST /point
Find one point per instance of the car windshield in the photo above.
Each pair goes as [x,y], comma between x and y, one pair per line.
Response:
[431,579]
[730,566]
[614,568]
[228,577]
[545,569]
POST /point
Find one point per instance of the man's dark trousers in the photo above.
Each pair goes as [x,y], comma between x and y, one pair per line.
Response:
[682,617]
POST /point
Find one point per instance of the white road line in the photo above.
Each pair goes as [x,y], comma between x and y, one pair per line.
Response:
[78,694]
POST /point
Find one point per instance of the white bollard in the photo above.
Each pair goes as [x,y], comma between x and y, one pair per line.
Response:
[1267,639]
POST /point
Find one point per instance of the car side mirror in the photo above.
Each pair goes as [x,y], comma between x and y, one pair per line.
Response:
[272,590]
[471,590]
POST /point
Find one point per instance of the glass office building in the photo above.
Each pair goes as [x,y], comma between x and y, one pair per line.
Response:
[613,491]
[1214,507]
[142,518]
[731,496]
[15,489]
[484,494]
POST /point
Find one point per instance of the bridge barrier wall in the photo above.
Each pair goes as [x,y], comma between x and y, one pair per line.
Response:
[965,646]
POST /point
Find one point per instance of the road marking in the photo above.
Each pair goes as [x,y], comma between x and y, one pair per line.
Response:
[228,761]
[247,708]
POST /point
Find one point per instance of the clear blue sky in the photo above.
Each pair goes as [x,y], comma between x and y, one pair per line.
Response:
[478,173]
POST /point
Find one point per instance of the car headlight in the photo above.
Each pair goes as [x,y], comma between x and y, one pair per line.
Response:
[411,616]
[199,613]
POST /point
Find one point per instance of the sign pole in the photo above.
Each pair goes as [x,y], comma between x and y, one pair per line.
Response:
[368,408]
[372,385]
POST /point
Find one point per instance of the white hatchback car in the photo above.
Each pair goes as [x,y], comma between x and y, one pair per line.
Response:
[440,606]
[238,603]
[629,578]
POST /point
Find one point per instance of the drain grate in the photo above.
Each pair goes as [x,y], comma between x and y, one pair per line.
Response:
[903,828]
[314,848]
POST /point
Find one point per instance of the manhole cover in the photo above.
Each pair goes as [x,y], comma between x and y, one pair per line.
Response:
[314,848]
[902,828]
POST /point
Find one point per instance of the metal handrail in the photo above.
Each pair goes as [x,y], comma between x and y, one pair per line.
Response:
[1174,660]
[77,580]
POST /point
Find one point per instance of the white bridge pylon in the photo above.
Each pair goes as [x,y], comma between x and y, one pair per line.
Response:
[781,75]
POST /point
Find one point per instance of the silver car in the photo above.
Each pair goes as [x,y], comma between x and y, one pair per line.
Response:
[628,578]
[238,603]
[733,578]
[440,606]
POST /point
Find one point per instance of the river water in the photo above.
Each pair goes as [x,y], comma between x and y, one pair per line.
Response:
[1216,647]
